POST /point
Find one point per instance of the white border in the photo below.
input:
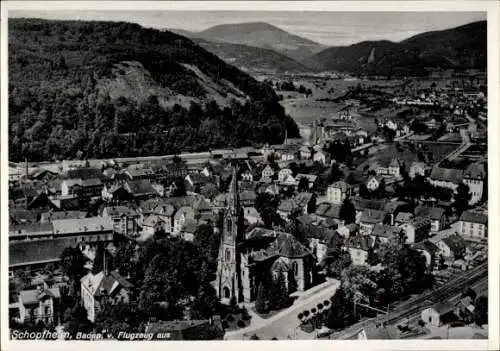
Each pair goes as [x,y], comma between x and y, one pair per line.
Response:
[491,7]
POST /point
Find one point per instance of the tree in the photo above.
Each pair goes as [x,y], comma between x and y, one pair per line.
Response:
[73,262]
[124,259]
[278,295]
[205,303]
[78,322]
[100,256]
[261,303]
[209,190]
[341,310]
[303,184]
[481,310]
[347,212]
[470,293]
[462,198]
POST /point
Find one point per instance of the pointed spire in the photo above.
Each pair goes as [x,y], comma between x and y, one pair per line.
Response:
[286,137]
[233,191]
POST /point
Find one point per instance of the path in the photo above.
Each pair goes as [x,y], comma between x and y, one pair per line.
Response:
[285,322]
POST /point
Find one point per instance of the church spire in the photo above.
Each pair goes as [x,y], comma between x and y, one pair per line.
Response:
[233,192]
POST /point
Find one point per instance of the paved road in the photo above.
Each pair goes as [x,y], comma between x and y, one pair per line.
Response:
[285,322]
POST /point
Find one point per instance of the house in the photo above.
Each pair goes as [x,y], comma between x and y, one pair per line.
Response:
[373,183]
[338,192]
[311,179]
[403,217]
[322,239]
[286,207]
[473,225]
[188,230]
[452,247]
[306,202]
[247,176]
[104,286]
[154,223]
[446,177]
[417,169]
[252,216]
[383,233]
[322,157]
[416,230]
[393,208]
[129,190]
[430,251]
[368,220]
[438,314]
[139,173]
[184,213]
[125,219]
[435,214]
[247,198]
[386,167]
[358,247]
[30,231]
[268,172]
[83,188]
[305,152]
[283,174]
[165,212]
[474,176]
[39,305]
[348,230]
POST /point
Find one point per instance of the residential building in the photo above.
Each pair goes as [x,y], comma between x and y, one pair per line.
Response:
[283,174]
[104,286]
[383,233]
[417,169]
[369,218]
[39,305]
[436,216]
[306,202]
[431,253]
[184,213]
[416,230]
[311,179]
[338,192]
[125,219]
[358,247]
[452,247]
[286,207]
[473,225]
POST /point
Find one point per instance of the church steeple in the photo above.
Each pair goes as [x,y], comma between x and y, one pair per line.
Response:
[233,197]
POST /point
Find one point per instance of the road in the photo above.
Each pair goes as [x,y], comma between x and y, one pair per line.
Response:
[416,304]
[285,322]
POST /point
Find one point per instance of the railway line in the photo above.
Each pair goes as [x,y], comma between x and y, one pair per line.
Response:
[416,304]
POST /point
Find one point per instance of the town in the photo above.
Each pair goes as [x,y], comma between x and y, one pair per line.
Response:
[352,231]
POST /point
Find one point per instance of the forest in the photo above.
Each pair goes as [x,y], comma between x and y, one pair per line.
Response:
[57,109]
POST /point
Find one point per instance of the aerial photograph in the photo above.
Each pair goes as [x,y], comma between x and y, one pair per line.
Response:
[247,175]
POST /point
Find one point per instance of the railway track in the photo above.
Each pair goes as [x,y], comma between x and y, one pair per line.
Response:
[416,304]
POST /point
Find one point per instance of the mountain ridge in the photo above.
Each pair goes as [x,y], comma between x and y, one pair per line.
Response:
[459,47]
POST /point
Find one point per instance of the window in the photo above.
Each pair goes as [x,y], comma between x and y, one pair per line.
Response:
[228,255]
[295,268]
[227,292]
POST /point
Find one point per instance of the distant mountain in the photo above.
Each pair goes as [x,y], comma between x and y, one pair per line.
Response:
[262,35]
[109,89]
[461,47]
[250,58]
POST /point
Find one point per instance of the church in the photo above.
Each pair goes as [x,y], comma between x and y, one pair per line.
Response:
[246,261]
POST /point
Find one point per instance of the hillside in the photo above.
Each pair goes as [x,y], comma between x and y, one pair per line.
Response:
[461,47]
[262,35]
[251,59]
[106,89]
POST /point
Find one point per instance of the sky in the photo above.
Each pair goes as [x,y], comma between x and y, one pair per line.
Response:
[328,28]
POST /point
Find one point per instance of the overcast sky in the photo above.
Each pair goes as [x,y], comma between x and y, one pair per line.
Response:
[329,28]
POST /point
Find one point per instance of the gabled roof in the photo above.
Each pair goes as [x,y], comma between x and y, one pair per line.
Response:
[443,307]
[186,211]
[140,187]
[67,215]
[37,251]
[164,209]
[362,242]
[152,221]
[310,177]
[372,216]
[447,174]
[115,211]
[190,226]
[105,284]
[30,297]
[82,225]
[385,231]
[404,217]
[343,186]
[287,246]
[85,173]
[303,198]
[434,213]
[426,246]
[474,217]
[287,205]
[259,232]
